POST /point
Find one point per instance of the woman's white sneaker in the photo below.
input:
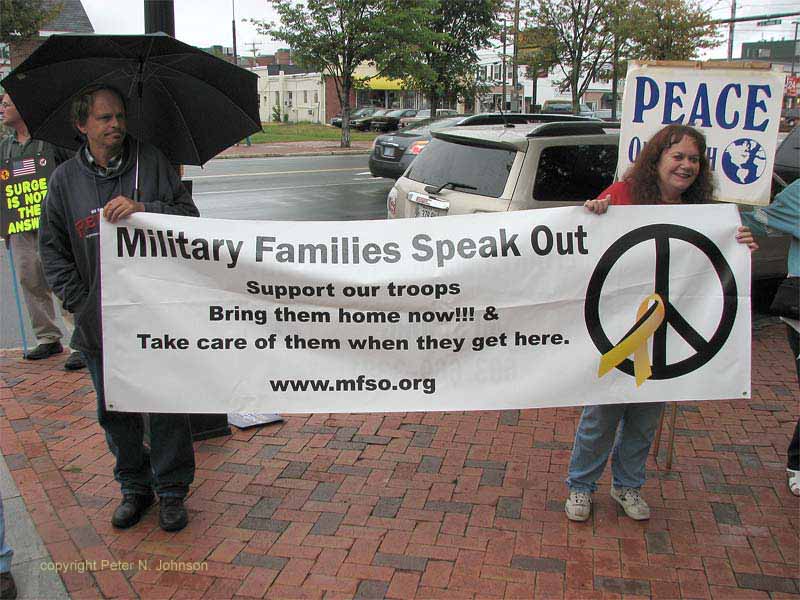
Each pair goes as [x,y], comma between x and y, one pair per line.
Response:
[631,502]
[578,506]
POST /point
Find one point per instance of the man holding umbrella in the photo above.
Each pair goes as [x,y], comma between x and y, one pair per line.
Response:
[113,176]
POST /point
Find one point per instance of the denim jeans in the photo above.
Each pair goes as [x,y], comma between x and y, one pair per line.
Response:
[6,553]
[597,433]
[168,468]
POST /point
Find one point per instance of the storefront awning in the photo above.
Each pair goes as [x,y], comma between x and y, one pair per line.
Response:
[384,83]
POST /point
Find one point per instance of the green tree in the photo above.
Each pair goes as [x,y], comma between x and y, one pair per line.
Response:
[443,64]
[579,39]
[668,30]
[22,19]
[336,36]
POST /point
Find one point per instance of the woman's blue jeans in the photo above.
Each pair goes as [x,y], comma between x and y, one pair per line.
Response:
[169,466]
[597,436]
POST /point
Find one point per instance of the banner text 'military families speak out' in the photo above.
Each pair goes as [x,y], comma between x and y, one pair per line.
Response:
[150,243]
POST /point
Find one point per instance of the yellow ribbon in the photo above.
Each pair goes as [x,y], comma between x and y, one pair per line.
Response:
[648,320]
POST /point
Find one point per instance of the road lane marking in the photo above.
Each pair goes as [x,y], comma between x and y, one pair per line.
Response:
[277,189]
[275,173]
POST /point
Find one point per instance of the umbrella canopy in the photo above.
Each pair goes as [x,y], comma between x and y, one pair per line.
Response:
[187,102]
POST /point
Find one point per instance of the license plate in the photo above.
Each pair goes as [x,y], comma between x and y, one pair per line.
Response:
[427,211]
[388,151]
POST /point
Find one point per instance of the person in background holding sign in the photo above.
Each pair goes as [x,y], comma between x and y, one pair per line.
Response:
[672,169]
[783,217]
[19,151]
[100,181]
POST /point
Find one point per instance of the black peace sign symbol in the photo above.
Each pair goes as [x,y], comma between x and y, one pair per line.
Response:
[704,349]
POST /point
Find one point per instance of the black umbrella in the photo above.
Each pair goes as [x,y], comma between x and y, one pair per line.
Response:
[187,102]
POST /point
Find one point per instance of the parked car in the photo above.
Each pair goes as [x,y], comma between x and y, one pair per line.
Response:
[563,106]
[357,113]
[363,122]
[425,113]
[391,120]
[604,114]
[790,117]
[392,153]
[787,158]
[475,169]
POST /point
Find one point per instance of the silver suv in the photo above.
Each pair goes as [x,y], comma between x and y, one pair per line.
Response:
[498,168]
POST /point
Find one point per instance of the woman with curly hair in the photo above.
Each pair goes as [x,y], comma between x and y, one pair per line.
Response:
[671,169]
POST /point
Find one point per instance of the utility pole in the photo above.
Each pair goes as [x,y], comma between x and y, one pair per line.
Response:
[615,64]
[233,28]
[253,47]
[514,82]
[730,29]
[159,15]
[794,46]
[503,102]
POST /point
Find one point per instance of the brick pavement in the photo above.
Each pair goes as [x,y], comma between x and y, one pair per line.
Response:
[418,505]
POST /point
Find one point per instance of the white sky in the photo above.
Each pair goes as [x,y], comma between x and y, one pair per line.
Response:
[200,23]
[208,22]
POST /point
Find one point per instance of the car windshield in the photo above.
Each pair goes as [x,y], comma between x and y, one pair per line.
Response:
[396,113]
[424,113]
[485,169]
[361,112]
[427,125]
[380,112]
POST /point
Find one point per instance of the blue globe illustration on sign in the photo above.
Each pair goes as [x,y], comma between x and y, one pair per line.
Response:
[744,160]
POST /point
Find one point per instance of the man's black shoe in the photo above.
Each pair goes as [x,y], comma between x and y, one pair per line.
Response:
[173,516]
[74,362]
[8,589]
[45,351]
[130,510]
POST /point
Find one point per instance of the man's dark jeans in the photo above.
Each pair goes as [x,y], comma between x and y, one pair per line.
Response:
[168,468]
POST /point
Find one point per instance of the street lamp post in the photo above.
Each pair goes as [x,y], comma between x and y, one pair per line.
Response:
[233,28]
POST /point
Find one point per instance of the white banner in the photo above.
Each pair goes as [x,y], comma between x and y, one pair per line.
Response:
[490,311]
[738,110]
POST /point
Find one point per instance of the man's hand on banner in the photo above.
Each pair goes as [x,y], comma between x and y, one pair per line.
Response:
[121,207]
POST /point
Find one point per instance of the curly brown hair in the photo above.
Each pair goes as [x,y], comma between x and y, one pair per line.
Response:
[643,174]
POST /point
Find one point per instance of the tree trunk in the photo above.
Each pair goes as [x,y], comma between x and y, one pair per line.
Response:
[576,102]
[345,143]
[433,102]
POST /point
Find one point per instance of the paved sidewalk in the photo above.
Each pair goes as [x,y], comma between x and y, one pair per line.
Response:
[417,505]
[319,148]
